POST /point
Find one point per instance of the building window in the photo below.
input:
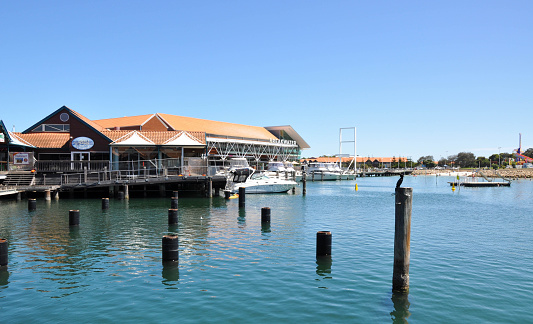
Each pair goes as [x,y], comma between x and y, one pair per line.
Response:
[52,128]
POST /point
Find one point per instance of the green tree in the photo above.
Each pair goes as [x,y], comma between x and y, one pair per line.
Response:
[482,162]
[466,160]
[427,160]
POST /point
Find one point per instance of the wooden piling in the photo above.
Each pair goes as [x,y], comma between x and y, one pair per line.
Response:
[170,247]
[126,192]
[265,215]
[174,203]
[227,194]
[172,216]
[47,195]
[304,180]
[105,203]
[120,195]
[402,239]
[3,252]
[323,244]
[74,218]
[242,197]
[32,204]
[210,188]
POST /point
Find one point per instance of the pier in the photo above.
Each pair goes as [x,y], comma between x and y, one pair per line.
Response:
[480,184]
[109,183]
[384,173]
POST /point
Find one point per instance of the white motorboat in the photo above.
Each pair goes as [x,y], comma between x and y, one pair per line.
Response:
[233,164]
[343,175]
[256,182]
[275,166]
[318,171]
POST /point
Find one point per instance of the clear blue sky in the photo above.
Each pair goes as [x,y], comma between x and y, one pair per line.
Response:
[415,77]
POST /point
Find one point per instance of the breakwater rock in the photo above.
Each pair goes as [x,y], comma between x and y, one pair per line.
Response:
[506,173]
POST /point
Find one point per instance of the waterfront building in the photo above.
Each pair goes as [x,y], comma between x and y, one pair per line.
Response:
[66,141]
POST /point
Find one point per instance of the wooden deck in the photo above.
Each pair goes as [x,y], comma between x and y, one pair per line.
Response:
[384,173]
[481,184]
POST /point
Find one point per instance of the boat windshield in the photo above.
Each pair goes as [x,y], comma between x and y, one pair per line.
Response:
[259,176]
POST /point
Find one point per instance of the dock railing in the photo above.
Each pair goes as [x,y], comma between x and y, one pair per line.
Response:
[69,166]
[144,173]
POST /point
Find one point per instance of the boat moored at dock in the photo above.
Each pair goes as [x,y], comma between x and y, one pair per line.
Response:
[256,182]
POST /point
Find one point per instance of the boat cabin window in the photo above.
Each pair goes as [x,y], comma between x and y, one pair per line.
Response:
[241,175]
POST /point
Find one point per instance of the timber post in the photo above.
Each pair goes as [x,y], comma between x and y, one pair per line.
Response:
[402,238]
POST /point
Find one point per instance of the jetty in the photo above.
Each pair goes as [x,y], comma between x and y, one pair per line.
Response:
[109,183]
[480,184]
[384,173]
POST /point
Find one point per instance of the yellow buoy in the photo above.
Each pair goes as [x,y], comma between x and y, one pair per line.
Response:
[234,196]
[356,187]
[453,187]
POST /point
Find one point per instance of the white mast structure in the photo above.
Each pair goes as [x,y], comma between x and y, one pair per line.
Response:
[341,141]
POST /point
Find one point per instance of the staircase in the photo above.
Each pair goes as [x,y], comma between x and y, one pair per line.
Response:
[19,178]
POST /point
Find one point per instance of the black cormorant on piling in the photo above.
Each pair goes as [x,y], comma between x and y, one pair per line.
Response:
[399,183]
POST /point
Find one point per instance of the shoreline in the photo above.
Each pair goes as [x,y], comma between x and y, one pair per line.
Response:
[506,173]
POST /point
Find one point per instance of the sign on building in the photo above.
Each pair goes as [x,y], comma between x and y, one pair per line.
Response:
[82,143]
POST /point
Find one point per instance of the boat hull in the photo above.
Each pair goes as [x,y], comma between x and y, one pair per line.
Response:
[265,188]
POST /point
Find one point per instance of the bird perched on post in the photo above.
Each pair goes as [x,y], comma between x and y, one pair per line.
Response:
[399,183]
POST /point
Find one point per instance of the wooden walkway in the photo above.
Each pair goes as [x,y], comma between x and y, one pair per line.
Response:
[384,173]
[481,184]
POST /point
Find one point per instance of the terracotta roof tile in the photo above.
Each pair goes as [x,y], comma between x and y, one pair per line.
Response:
[216,127]
[45,140]
[124,121]
[359,159]
[92,123]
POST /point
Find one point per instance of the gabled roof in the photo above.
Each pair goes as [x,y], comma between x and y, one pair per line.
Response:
[76,115]
[183,139]
[133,138]
[150,138]
[216,127]
[125,121]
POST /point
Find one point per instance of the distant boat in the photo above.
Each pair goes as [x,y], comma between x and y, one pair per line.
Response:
[319,171]
[256,182]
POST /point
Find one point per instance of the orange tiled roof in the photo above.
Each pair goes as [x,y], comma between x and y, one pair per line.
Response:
[158,138]
[93,124]
[124,121]
[45,140]
[216,127]
[359,159]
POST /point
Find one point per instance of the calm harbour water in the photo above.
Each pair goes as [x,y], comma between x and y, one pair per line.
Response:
[471,258]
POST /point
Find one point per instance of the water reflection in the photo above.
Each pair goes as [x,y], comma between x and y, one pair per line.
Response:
[323,267]
[401,313]
[4,277]
[265,228]
[170,273]
[241,220]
